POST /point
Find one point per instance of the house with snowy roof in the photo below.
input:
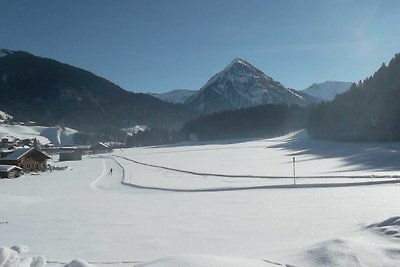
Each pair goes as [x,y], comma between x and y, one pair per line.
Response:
[28,159]
[100,147]
[10,171]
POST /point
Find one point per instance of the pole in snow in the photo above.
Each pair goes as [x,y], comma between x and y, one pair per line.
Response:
[294,170]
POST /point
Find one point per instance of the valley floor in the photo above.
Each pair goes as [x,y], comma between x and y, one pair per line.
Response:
[232,199]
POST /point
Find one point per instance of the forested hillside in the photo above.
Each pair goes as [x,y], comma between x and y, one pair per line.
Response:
[370,111]
[50,92]
[260,121]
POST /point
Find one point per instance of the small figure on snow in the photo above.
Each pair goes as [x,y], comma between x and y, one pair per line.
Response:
[110,172]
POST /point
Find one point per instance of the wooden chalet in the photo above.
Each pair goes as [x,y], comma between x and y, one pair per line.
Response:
[28,159]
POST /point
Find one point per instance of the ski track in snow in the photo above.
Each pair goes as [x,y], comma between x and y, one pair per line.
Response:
[221,189]
[103,173]
[254,176]
[94,186]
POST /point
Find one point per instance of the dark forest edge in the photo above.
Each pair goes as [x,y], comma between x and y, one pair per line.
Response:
[369,111]
[260,121]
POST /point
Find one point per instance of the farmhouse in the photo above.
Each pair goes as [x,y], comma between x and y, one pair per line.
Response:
[28,159]
[70,153]
[10,171]
[100,148]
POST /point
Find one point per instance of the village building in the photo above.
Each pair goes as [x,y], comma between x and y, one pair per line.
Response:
[70,153]
[28,159]
[100,148]
[10,171]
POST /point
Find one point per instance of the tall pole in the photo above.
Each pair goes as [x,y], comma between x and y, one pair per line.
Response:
[294,170]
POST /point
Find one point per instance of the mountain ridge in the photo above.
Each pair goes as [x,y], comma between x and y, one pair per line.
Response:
[327,90]
[177,96]
[50,92]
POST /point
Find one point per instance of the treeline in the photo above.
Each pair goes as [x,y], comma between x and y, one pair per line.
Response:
[259,121]
[370,111]
[155,136]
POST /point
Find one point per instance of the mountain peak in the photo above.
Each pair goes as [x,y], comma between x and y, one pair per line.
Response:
[241,85]
[237,62]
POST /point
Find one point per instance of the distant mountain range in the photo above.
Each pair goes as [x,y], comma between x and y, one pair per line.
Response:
[327,90]
[178,96]
[49,92]
[239,85]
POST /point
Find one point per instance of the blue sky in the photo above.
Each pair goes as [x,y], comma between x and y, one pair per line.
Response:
[159,45]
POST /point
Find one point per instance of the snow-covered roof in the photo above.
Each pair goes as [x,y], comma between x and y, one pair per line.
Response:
[7,168]
[102,144]
[68,151]
[69,148]
[20,152]
[17,154]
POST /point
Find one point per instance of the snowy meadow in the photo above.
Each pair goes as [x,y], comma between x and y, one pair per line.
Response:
[230,203]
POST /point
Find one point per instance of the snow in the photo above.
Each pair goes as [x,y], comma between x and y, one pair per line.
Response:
[11,257]
[136,129]
[327,90]
[5,116]
[56,135]
[207,261]
[84,213]
[20,248]
[78,263]
[178,96]
[6,168]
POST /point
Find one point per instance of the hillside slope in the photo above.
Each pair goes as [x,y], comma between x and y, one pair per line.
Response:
[50,93]
[368,112]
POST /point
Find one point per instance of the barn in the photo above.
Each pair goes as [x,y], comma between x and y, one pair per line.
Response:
[70,153]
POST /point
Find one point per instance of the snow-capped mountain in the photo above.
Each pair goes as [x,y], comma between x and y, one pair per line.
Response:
[327,90]
[178,96]
[241,85]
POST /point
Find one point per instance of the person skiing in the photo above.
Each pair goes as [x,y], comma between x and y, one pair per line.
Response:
[110,173]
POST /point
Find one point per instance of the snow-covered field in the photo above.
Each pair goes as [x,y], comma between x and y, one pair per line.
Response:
[194,218]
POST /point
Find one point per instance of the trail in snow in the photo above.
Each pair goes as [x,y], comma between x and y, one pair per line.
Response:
[103,173]
[221,189]
[253,176]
